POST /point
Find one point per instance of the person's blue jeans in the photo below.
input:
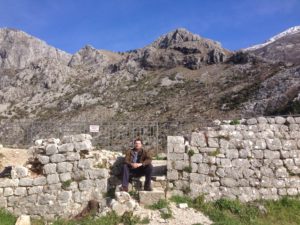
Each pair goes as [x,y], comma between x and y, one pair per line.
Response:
[138,172]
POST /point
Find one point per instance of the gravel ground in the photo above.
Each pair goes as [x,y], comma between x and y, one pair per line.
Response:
[187,216]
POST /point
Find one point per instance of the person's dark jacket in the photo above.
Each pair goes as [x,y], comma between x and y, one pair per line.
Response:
[144,157]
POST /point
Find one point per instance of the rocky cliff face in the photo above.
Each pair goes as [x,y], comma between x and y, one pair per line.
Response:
[18,49]
[179,76]
[284,47]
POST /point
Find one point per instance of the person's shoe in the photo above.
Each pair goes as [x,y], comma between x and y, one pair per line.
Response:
[124,189]
[148,188]
[6,172]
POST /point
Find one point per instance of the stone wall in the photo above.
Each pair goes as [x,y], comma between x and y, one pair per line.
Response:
[258,159]
[64,175]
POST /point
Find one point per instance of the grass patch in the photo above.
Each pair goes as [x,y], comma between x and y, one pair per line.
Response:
[164,208]
[214,153]
[234,122]
[285,211]
[110,218]
[6,218]
[187,169]
[66,184]
[191,153]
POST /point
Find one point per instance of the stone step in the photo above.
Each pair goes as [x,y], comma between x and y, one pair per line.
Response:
[151,197]
[159,167]
[157,182]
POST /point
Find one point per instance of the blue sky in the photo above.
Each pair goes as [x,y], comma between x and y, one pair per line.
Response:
[121,25]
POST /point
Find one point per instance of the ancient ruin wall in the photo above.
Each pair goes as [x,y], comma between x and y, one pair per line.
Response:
[259,159]
[69,178]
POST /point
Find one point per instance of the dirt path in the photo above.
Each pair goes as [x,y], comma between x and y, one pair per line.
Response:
[12,157]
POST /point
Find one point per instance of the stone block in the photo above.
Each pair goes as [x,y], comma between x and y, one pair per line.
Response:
[213,142]
[172,175]
[86,185]
[49,168]
[20,191]
[68,147]
[51,149]
[8,192]
[252,121]
[72,156]
[64,167]
[177,148]
[84,145]
[56,158]
[151,197]
[271,154]
[85,164]
[6,182]
[38,181]
[19,172]
[25,182]
[279,120]
[43,159]
[198,139]
[52,179]
[65,177]
[274,144]
[175,140]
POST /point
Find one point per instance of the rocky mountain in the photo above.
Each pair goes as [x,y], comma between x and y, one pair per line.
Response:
[181,76]
[283,47]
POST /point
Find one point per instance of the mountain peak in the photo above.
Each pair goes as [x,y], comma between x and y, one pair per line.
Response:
[290,31]
[176,36]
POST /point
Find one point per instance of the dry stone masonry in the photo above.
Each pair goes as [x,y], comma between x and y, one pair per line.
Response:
[71,174]
[258,159]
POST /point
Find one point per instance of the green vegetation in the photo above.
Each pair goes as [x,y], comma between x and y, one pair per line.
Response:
[110,218]
[234,122]
[164,208]
[214,153]
[232,212]
[66,184]
[187,169]
[191,153]
[7,218]
[225,137]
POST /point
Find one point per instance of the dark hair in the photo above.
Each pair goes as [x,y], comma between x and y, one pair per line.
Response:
[138,139]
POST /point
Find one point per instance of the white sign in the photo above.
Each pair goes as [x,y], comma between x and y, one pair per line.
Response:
[94,128]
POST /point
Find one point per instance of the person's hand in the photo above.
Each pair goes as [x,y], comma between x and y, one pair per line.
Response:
[136,165]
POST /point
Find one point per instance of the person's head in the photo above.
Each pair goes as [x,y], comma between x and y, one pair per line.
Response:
[138,144]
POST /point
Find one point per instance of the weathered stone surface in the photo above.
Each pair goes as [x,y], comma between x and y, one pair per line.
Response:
[151,197]
[172,175]
[39,181]
[56,158]
[72,156]
[175,140]
[8,192]
[83,145]
[23,220]
[6,182]
[64,167]
[198,139]
[51,149]
[52,179]
[68,147]
[252,121]
[85,164]
[280,120]
[25,182]
[274,144]
[20,191]
[19,172]
[43,159]
[122,196]
[49,168]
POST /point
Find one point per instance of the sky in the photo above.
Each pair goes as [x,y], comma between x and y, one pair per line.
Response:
[121,25]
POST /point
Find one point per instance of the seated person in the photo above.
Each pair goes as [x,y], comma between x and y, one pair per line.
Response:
[137,162]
